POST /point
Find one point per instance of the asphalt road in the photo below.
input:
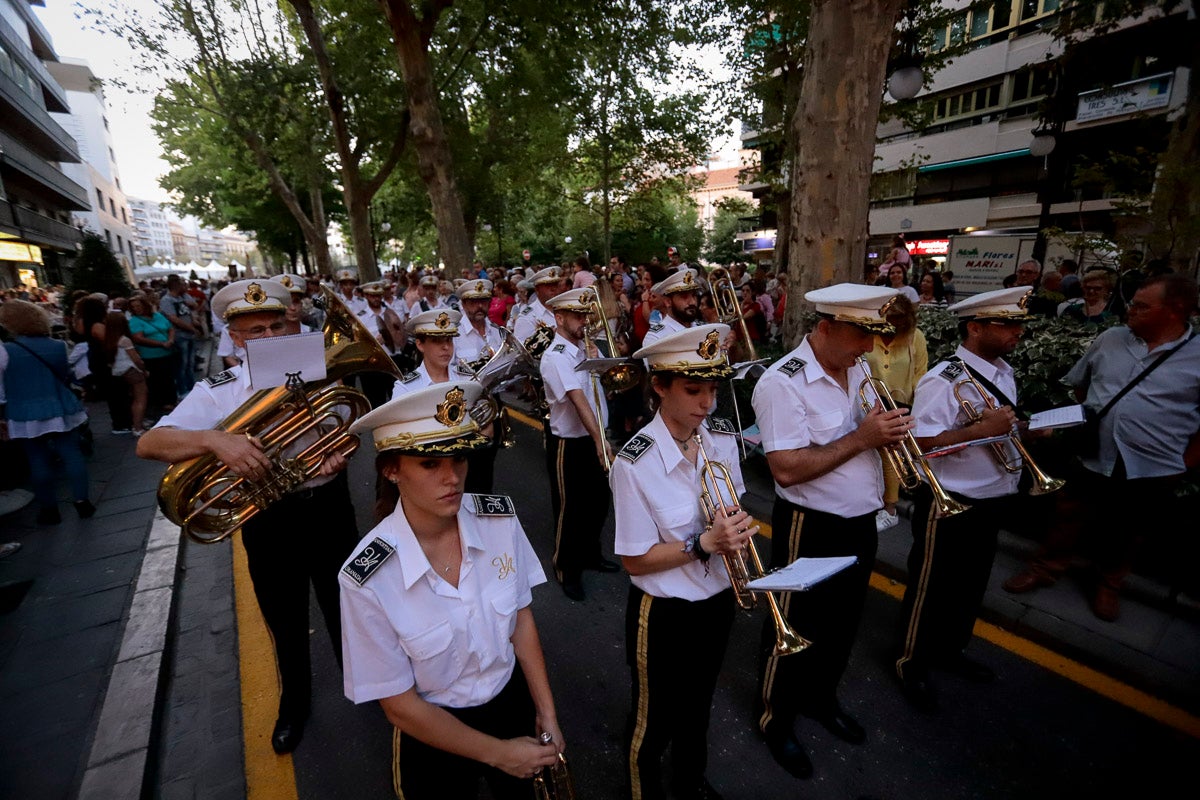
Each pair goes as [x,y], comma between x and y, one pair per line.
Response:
[1033,734]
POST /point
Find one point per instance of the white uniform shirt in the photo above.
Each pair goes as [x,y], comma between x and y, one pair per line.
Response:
[355,303]
[559,376]
[528,319]
[668,326]
[799,405]
[399,306]
[421,305]
[226,347]
[656,497]
[470,343]
[409,382]
[215,398]
[404,627]
[973,472]
[373,321]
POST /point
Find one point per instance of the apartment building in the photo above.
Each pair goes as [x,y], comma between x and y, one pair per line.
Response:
[152,231]
[37,234]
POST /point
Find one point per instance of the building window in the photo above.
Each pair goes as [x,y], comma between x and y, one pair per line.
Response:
[972,101]
[124,218]
[100,199]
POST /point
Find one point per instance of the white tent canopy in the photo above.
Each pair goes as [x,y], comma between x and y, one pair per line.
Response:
[155,272]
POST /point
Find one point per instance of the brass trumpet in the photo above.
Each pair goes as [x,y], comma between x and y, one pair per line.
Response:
[558,784]
[905,458]
[729,306]
[714,474]
[1042,483]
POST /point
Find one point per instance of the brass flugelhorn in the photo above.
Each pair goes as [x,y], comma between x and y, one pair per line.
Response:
[1042,483]
[714,475]
[905,458]
[729,306]
[298,429]
[553,782]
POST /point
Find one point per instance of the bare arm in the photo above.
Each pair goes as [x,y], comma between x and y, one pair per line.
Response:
[588,417]
[878,429]
[723,537]
[242,454]
[528,648]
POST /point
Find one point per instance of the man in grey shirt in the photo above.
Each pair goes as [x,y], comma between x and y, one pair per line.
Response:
[1148,439]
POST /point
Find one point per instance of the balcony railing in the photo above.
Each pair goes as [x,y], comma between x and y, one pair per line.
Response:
[41,230]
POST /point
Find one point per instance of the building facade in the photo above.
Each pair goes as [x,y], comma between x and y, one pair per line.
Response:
[152,231]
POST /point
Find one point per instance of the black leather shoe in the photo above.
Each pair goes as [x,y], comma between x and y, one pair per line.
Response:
[604,565]
[786,750]
[573,590]
[287,735]
[84,508]
[918,691]
[970,669]
[843,726]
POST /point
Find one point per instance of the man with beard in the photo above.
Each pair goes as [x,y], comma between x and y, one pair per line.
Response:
[681,291]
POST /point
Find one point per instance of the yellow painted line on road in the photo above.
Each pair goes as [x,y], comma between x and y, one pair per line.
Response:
[1141,702]
[268,776]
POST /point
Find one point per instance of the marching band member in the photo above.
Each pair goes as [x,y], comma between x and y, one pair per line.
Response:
[547,283]
[301,537]
[681,293]
[475,296]
[434,332]
[436,611]
[295,286]
[822,451]
[429,299]
[347,281]
[681,606]
[385,325]
[951,558]
[578,486]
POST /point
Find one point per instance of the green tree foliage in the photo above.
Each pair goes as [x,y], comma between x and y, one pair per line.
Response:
[722,248]
[96,269]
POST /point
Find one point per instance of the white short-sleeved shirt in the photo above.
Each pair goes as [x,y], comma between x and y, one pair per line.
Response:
[470,343]
[528,319]
[373,322]
[215,398]
[355,304]
[559,376]
[405,627]
[416,307]
[409,382]
[656,497]
[799,405]
[973,472]
[668,326]
[226,347]
[399,306]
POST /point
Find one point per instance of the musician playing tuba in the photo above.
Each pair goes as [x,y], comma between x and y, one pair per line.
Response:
[822,449]
[436,603]
[300,538]
[951,558]
[681,605]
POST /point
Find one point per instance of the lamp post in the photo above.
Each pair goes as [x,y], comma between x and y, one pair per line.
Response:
[1045,137]
[906,78]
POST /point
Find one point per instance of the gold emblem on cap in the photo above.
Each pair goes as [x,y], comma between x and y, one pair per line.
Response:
[687,278]
[709,347]
[255,295]
[887,307]
[479,286]
[286,281]
[443,320]
[451,412]
[554,272]
[1024,301]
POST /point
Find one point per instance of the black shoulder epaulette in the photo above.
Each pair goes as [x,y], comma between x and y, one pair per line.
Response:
[220,378]
[635,447]
[364,311]
[951,372]
[526,310]
[369,559]
[559,348]
[792,366]
[656,327]
[494,505]
[721,425]
[409,377]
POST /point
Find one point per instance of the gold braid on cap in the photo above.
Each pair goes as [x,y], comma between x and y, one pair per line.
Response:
[452,440]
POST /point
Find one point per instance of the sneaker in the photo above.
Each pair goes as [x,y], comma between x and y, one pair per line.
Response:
[884,520]
[122,431]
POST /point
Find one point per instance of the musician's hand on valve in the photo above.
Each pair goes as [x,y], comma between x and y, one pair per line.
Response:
[728,535]
[996,422]
[550,726]
[524,756]
[242,453]
[333,464]
[881,428]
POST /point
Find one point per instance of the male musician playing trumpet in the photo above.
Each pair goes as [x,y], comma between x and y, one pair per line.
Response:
[680,607]
[822,449]
[578,486]
[951,558]
[302,537]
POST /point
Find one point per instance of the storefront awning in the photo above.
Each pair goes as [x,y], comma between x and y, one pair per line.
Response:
[967,162]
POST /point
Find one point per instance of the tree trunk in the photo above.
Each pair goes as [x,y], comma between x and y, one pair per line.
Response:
[435,165]
[832,135]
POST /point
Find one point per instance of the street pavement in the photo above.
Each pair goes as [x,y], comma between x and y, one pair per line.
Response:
[119,671]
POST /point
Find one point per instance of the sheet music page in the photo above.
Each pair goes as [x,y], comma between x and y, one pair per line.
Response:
[1062,417]
[271,359]
[802,574]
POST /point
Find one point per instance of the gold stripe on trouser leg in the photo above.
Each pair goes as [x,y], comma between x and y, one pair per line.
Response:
[921,587]
[784,607]
[560,476]
[639,727]
[396,763]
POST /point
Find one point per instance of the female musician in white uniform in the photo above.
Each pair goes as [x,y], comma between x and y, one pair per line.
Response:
[680,604]
[436,615]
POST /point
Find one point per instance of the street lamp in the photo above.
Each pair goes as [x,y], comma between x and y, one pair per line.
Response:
[1041,146]
[907,78]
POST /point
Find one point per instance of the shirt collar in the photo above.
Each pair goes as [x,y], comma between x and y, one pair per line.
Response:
[572,348]
[672,457]
[813,371]
[414,565]
[987,369]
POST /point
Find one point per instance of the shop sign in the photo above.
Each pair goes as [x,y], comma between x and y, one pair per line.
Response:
[1131,97]
[18,251]
[929,247]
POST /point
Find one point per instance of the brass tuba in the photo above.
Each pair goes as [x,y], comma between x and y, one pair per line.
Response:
[905,458]
[714,475]
[209,502]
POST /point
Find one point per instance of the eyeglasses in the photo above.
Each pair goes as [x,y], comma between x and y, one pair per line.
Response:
[259,331]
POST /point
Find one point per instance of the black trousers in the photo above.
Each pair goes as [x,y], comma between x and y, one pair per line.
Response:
[948,569]
[422,772]
[301,539]
[580,497]
[827,615]
[674,649]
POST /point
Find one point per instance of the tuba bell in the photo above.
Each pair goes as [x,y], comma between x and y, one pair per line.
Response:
[209,502]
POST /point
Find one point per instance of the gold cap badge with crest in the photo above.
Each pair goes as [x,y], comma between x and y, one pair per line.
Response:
[250,296]
[433,421]
[692,353]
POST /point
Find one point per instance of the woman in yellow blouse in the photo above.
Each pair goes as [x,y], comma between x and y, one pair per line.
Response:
[899,360]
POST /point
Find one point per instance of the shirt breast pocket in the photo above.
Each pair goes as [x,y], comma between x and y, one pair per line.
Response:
[504,604]
[435,661]
[826,427]
[680,519]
